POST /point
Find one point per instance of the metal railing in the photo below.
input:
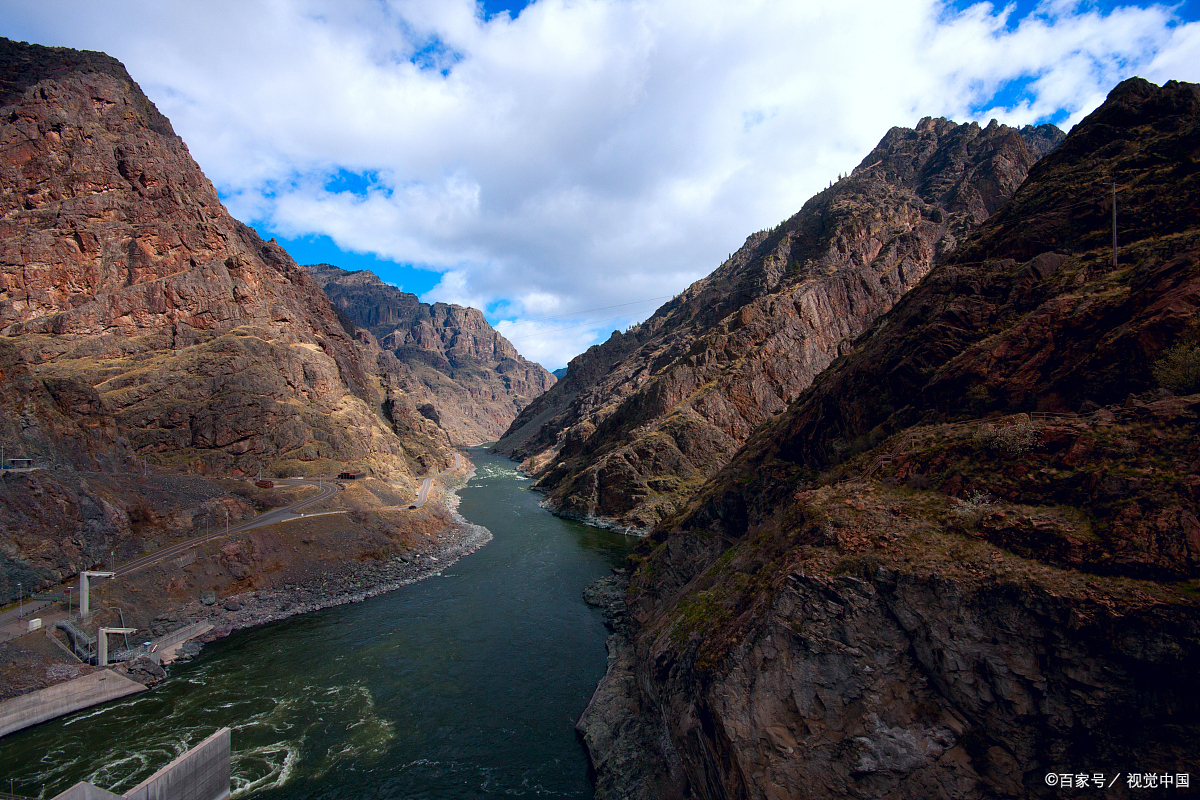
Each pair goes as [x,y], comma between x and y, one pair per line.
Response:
[11,796]
[83,644]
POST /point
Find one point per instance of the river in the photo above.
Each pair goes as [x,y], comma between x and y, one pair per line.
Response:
[465,685]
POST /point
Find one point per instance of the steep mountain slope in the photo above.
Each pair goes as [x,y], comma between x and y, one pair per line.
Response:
[477,379]
[140,322]
[883,595]
[641,421]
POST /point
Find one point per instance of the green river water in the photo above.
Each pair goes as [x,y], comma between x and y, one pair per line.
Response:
[466,685]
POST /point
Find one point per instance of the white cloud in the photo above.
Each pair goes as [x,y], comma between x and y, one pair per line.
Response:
[558,341]
[589,151]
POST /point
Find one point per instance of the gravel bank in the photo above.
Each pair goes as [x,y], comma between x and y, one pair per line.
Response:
[348,583]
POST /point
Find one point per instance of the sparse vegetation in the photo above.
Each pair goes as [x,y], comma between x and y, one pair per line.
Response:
[972,509]
[1014,440]
[1179,369]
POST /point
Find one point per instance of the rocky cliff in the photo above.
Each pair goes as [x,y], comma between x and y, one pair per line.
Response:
[468,378]
[641,421]
[961,564]
[143,326]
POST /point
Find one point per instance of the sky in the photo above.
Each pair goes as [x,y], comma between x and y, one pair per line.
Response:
[569,165]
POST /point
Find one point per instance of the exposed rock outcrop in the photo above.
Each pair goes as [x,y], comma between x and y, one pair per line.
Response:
[141,323]
[639,422]
[473,380]
[120,270]
[882,595]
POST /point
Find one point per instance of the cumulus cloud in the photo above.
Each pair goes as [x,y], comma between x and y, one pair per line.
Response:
[588,152]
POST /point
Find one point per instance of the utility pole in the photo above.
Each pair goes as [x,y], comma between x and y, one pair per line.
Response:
[20,602]
[1114,224]
[226,510]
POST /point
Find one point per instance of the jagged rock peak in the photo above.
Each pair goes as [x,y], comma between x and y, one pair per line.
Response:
[641,420]
[121,273]
[23,65]
[445,327]
[987,497]
[478,380]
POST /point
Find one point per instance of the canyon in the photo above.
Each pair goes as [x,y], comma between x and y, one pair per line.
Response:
[965,558]
[918,483]
[472,380]
[639,422]
[156,355]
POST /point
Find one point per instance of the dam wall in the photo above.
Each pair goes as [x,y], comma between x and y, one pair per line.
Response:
[202,773]
[64,698]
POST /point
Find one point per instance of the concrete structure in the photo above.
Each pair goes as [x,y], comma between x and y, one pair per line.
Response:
[102,643]
[85,791]
[164,649]
[202,773]
[84,611]
[58,643]
[64,698]
[82,643]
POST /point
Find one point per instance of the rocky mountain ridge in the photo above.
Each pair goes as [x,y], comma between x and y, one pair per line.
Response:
[639,422]
[142,326]
[965,559]
[476,380]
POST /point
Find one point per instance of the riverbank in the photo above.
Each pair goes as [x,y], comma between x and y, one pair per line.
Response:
[464,686]
[64,698]
[623,743]
[338,572]
[345,583]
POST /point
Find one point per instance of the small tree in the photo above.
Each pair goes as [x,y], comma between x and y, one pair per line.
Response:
[1179,369]
[973,508]
[1015,439]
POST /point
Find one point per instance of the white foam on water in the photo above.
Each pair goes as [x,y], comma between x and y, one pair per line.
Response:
[299,720]
[118,773]
[279,761]
[105,709]
[489,471]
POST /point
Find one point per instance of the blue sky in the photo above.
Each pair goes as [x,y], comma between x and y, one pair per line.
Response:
[320,249]
[491,9]
[563,163]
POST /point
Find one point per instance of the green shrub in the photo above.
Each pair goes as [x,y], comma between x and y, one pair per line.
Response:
[1016,439]
[1179,369]
[971,510]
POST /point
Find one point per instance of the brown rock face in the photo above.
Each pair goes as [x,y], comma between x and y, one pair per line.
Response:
[475,380]
[140,322]
[883,595]
[120,270]
[641,421]
[1031,315]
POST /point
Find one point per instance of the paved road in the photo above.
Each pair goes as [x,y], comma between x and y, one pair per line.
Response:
[423,492]
[271,517]
[12,626]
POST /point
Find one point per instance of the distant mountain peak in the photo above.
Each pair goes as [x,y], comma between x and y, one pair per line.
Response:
[478,379]
[641,420]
